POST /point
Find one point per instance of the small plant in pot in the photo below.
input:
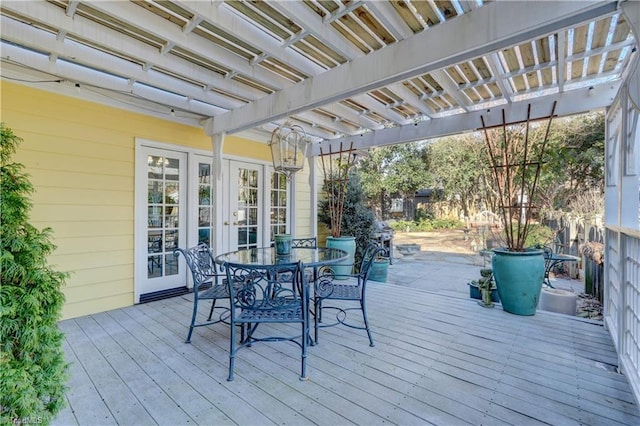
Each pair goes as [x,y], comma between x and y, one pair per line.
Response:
[484,289]
[516,155]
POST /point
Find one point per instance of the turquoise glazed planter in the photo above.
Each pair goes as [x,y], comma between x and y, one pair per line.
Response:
[347,244]
[519,277]
[379,270]
[283,244]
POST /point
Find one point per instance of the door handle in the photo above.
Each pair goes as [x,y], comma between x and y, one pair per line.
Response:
[226,223]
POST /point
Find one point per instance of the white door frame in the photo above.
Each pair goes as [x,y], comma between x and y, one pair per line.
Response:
[189,235]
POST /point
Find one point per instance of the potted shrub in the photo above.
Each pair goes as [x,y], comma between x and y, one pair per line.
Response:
[343,209]
[515,155]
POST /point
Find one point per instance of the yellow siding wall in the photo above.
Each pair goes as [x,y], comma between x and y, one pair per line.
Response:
[303,205]
[80,156]
[241,147]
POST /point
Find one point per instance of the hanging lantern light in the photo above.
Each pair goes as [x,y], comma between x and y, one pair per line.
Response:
[288,148]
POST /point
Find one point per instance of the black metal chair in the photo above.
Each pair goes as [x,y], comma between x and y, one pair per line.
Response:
[261,297]
[208,284]
[330,286]
[309,242]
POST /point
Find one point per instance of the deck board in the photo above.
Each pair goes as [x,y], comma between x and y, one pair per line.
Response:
[438,359]
[206,366]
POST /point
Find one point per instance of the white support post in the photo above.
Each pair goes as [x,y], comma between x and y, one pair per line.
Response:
[217,143]
[313,198]
[292,204]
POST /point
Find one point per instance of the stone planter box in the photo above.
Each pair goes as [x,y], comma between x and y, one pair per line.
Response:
[407,249]
[557,300]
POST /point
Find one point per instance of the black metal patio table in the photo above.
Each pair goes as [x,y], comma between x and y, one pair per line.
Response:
[260,256]
[311,257]
[551,260]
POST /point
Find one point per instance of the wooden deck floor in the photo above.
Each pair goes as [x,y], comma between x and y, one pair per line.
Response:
[438,360]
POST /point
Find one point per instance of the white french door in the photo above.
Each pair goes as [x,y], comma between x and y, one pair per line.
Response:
[243,220]
[161,200]
[177,206]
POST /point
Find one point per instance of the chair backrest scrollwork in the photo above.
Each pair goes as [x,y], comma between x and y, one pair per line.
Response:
[201,264]
[263,287]
[373,252]
[311,242]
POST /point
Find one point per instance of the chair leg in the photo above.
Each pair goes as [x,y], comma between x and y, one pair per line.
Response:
[366,322]
[193,319]
[232,349]
[250,330]
[317,311]
[213,305]
[305,339]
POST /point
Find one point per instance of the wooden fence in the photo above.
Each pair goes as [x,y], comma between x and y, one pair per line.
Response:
[583,237]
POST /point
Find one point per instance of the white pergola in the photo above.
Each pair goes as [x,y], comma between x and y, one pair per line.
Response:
[339,69]
[369,72]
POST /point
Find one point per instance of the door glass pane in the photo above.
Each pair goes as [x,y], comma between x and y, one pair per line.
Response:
[246,217]
[203,195]
[172,168]
[163,196]
[172,193]
[171,217]
[170,264]
[278,211]
[242,237]
[253,178]
[155,217]
[155,166]
[206,204]
[253,217]
[154,266]
[204,214]
[204,235]
[171,241]
[155,190]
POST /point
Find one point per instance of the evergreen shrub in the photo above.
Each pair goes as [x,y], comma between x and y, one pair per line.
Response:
[33,371]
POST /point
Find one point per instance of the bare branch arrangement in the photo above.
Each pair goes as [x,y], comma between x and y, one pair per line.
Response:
[516,158]
[336,166]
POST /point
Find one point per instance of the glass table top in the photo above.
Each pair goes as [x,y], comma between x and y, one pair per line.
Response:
[267,256]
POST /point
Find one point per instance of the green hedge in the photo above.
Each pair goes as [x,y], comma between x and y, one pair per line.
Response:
[424,225]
